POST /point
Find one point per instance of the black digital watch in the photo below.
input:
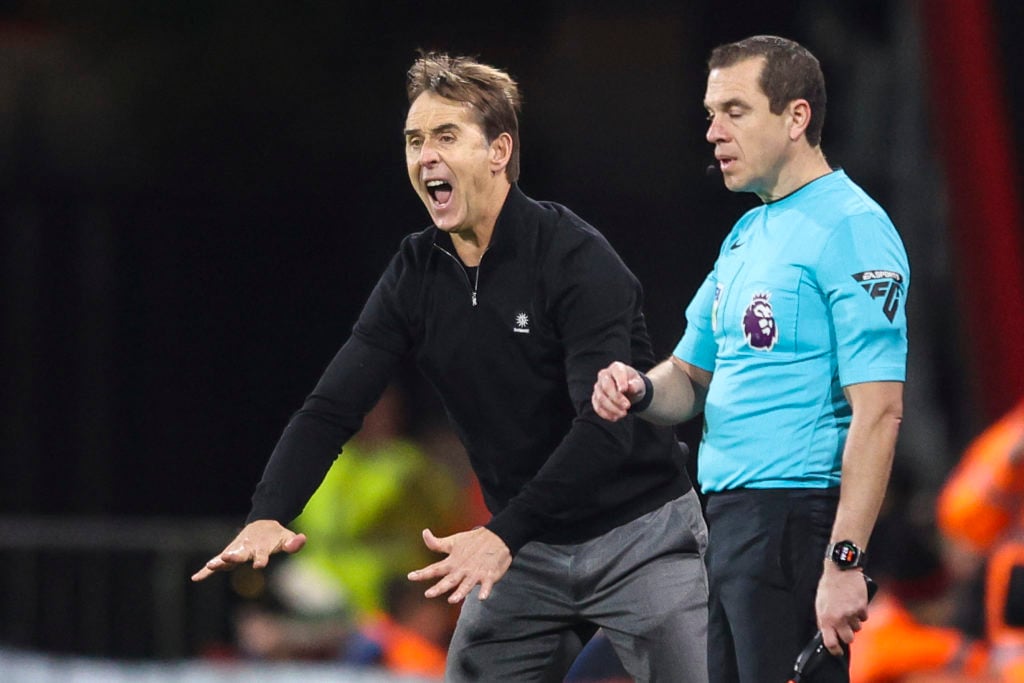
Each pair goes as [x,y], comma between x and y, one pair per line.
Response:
[846,555]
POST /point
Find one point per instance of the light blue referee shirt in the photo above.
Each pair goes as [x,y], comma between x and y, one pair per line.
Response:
[807,296]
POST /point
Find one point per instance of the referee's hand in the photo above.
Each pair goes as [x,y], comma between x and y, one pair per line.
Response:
[255,543]
[617,388]
[841,606]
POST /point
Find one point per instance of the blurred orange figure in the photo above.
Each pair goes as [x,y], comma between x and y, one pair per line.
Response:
[980,510]
[982,506]
[892,645]
[985,493]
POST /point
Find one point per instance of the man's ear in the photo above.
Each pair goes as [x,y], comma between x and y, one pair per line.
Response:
[500,153]
[800,118]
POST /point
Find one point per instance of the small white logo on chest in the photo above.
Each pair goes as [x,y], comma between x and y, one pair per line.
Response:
[522,324]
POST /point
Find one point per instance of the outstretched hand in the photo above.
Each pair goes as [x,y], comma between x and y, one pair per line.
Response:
[474,557]
[617,388]
[255,543]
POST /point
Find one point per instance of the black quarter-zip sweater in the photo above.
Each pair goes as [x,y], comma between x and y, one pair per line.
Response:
[513,348]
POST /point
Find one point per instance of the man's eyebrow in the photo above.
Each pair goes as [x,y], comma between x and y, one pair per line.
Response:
[443,128]
[729,104]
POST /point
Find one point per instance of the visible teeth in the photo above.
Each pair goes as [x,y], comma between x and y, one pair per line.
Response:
[439,187]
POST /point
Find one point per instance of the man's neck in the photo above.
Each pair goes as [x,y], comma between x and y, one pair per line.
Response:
[471,242]
[806,167]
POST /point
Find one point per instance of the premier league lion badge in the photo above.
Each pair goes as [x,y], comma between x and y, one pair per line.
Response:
[759,326]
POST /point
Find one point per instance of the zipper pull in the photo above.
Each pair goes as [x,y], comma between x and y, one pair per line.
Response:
[474,297]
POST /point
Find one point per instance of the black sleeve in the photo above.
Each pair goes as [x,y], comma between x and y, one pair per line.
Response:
[595,302]
[313,438]
[348,389]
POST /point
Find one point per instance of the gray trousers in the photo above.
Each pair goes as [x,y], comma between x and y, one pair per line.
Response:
[644,583]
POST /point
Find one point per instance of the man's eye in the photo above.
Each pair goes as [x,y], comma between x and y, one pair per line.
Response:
[447,138]
[413,143]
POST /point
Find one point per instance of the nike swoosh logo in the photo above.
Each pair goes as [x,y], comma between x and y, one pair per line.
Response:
[736,245]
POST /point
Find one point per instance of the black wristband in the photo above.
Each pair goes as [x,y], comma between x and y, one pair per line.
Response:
[645,402]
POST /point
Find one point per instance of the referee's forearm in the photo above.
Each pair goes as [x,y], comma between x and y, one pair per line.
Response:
[676,399]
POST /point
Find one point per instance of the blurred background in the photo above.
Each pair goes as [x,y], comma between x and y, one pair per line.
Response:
[196,198]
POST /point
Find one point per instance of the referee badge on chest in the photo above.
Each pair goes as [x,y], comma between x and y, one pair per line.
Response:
[759,327]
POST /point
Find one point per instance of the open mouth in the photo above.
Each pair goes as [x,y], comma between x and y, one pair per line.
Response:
[440,191]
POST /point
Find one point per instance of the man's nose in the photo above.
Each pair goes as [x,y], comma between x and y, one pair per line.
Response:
[428,155]
[715,132]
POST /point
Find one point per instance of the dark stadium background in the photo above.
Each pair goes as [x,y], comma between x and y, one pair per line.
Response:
[196,198]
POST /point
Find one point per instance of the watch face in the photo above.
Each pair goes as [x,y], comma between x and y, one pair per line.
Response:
[846,554]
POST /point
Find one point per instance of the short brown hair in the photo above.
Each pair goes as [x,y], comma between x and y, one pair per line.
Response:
[790,73]
[491,92]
